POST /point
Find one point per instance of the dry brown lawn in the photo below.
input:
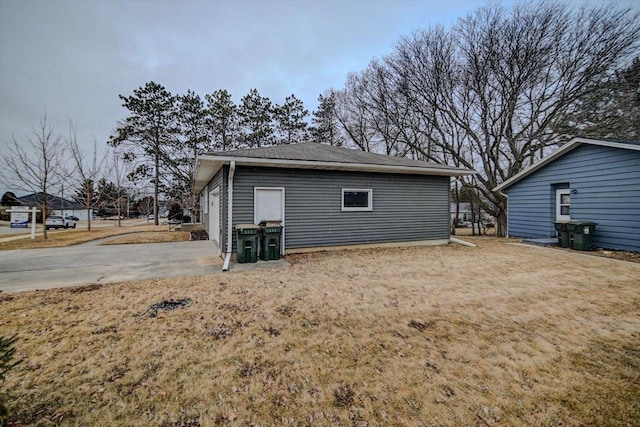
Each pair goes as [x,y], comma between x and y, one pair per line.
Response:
[450,335]
[159,236]
[61,238]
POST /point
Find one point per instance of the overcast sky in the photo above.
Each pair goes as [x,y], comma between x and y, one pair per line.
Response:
[73,58]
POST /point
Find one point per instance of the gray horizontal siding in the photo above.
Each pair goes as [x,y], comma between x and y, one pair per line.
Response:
[405,207]
[607,181]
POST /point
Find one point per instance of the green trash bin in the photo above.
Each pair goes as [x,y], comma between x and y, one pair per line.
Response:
[271,236]
[563,233]
[247,239]
[581,234]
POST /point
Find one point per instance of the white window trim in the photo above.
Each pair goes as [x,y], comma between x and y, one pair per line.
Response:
[559,194]
[369,208]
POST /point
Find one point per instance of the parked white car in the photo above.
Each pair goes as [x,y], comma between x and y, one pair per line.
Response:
[57,221]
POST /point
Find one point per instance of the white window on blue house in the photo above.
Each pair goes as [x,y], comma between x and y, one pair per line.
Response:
[357,199]
[563,204]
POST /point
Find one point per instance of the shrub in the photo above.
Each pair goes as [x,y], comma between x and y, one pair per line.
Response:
[7,352]
[175,211]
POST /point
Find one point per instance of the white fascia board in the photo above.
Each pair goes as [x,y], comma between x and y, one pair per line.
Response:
[312,164]
[607,143]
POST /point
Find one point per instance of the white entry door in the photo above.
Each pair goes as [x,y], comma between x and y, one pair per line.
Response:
[214,218]
[268,205]
[563,204]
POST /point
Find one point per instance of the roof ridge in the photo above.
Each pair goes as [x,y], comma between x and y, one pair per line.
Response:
[324,153]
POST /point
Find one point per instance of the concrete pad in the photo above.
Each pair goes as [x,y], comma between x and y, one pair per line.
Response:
[31,269]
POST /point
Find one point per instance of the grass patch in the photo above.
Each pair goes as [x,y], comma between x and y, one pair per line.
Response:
[494,335]
[62,238]
[159,236]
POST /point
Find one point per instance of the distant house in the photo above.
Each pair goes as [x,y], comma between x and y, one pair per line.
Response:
[324,196]
[586,179]
[57,205]
[465,215]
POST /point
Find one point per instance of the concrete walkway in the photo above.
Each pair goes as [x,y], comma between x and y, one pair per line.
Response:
[31,269]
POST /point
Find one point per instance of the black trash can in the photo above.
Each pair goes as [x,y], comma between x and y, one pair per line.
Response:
[563,234]
[247,239]
[271,238]
[581,234]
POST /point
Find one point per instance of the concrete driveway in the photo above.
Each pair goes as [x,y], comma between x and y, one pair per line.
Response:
[31,269]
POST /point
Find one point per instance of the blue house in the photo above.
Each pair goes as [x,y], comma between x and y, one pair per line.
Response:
[586,179]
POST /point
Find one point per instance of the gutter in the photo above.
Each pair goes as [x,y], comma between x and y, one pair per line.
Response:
[227,258]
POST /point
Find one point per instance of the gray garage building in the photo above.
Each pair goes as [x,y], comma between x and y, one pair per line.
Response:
[324,195]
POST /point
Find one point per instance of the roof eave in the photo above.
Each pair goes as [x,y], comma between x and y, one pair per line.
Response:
[531,169]
[574,143]
[203,173]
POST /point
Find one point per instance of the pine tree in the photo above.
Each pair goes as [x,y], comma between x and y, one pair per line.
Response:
[149,134]
[222,120]
[291,126]
[326,127]
[255,119]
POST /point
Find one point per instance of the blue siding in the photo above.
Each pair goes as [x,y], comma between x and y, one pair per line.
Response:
[607,181]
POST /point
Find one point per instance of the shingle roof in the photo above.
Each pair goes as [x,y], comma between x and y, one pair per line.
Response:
[314,152]
[311,155]
[53,202]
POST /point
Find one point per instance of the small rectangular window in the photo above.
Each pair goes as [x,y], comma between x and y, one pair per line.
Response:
[356,199]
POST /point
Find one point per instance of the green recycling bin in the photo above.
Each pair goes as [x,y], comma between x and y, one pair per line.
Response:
[247,239]
[581,234]
[271,233]
[563,233]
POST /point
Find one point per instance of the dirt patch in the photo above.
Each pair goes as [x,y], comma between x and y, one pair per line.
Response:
[5,297]
[199,235]
[621,255]
[448,336]
[85,288]
[167,305]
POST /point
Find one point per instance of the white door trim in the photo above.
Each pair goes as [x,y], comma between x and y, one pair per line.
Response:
[256,220]
[214,218]
[559,193]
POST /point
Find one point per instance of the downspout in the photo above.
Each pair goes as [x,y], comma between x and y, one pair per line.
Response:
[506,197]
[227,258]
[455,180]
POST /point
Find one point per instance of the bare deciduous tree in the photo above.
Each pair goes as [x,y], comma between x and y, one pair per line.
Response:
[87,169]
[35,165]
[487,93]
[118,172]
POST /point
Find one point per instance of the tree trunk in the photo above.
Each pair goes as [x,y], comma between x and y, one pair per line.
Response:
[44,215]
[501,223]
[156,191]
